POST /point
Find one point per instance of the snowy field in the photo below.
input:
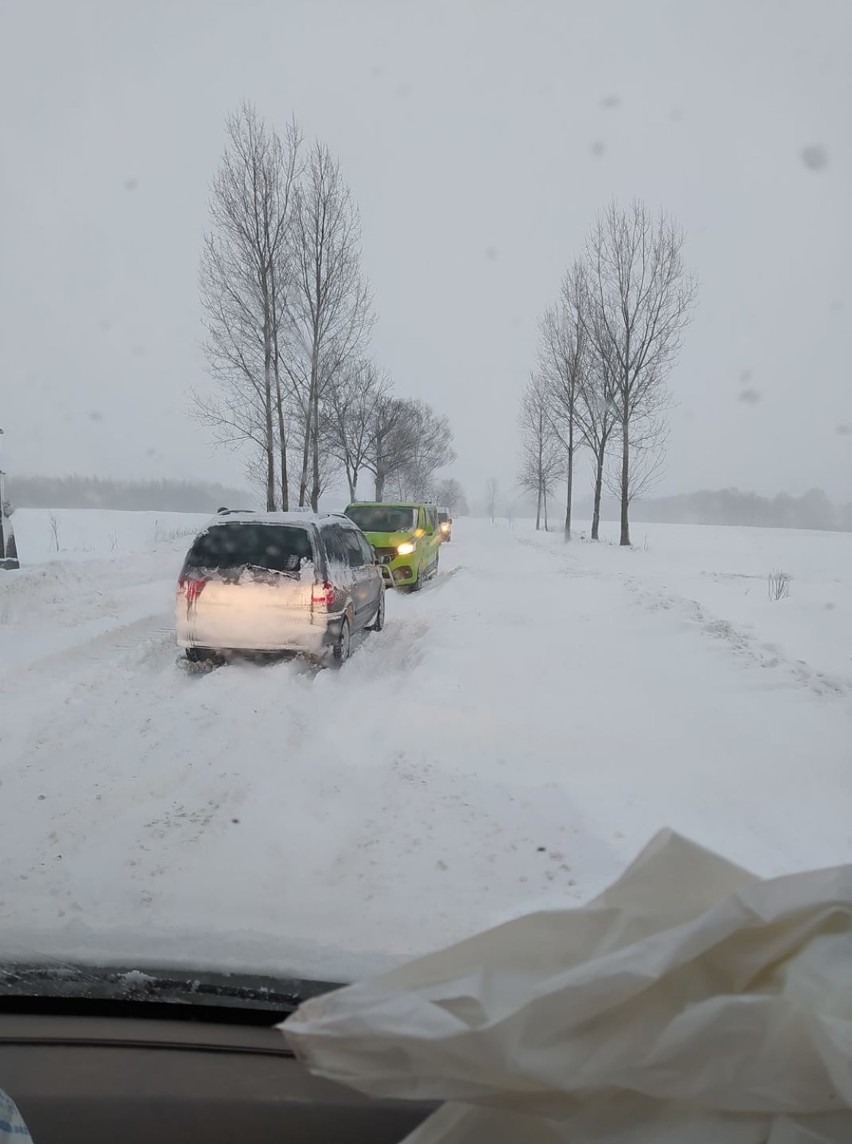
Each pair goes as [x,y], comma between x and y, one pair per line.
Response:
[516,733]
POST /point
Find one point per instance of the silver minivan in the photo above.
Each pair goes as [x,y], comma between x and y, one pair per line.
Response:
[278,582]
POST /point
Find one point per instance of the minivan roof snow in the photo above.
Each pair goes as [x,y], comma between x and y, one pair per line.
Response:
[294,517]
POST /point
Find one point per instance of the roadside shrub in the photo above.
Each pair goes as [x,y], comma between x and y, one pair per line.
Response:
[779,586]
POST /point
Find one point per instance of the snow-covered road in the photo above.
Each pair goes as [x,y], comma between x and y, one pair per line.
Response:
[516,733]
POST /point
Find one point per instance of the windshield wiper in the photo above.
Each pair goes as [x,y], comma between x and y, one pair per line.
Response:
[61,987]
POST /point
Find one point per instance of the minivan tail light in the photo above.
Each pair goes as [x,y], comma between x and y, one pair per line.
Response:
[190,590]
[323,596]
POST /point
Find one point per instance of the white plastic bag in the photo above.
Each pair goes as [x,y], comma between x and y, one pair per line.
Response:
[691,1003]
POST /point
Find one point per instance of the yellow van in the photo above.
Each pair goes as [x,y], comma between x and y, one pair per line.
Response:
[405,536]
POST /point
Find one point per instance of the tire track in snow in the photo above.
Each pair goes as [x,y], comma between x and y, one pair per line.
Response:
[112,700]
[738,641]
[117,637]
[264,797]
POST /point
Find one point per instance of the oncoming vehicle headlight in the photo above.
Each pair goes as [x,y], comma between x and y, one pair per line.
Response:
[406,548]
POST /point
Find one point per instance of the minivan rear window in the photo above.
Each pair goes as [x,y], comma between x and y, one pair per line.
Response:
[382,517]
[280,548]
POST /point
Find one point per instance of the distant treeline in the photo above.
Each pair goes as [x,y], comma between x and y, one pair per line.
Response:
[731,506]
[102,492]
[709,506]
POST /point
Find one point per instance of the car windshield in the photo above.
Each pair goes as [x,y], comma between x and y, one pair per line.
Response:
[552,301]
[279,548]
[382,518]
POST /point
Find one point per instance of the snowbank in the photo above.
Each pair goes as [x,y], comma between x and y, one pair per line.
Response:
[80,534]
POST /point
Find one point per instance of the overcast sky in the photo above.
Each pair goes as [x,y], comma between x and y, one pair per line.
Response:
[479,139]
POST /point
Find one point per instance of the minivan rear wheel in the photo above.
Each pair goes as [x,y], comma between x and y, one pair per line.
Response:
[198,654]
[343,648]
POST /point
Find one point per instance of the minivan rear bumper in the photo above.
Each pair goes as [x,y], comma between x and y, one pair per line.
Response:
[311,634]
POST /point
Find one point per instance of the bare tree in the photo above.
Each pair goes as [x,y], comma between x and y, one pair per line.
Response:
[587,391]
[329,309]
[430,447]
[244,274]
[540,448]
[595,406]
[449,493]
[409,443]
[491,494]
[640,298]
[563,359]
[597,418]
[349,413]
[647,459]
[279,286]
[389,440]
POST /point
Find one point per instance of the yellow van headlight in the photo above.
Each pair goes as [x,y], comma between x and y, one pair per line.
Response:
[406,548]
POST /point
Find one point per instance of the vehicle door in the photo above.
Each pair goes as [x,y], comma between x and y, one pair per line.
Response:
[421,540]
[362,571]
[432,537]
[372,574]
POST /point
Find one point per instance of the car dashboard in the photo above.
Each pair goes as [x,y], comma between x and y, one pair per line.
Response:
[123,1077]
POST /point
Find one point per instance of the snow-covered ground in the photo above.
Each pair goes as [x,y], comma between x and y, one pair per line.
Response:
[516,733]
